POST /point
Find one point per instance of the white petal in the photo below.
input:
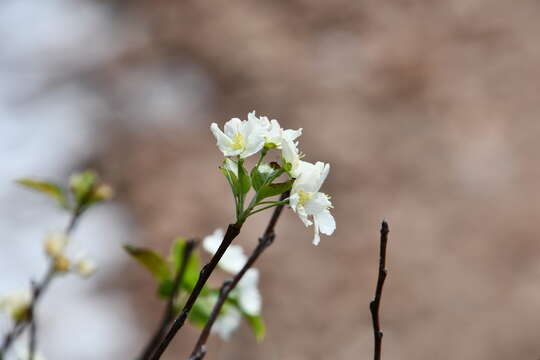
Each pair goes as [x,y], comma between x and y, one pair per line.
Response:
[224,143]
[233,260]
[211,242]
[227,323]
[292,134]
[316,236]
[231,165]
[326,222]
[249,296]
[318,203]
[232,127]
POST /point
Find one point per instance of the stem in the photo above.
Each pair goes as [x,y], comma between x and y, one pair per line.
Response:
[232,232]
[37,291]
[277,203]
[199,351]
[33,324]
[168,313]
[375,304]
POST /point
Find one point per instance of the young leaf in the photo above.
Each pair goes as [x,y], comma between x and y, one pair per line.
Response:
[256,323]
[54,191]
[244,181]
[152,261]
[200,313]
[273,190]
[231,179]
[191,274]
[82,184]
[257,179]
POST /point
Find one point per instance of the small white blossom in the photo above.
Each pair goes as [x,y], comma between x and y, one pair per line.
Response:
[249,296]
[291,155]
[85,267]
[306,200]
[233,259]
[275,133]
[231,166]
[240,137]
[55,244]
[265,169]
[227,322]
[16,304]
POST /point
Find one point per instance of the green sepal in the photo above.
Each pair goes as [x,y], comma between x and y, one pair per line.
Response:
[50,189]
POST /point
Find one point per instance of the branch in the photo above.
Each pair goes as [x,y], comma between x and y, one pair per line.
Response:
[168,313]
[232,232]
[37,291]
[375,304]
[199,351]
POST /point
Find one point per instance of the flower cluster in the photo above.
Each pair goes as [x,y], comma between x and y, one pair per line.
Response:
[55,246]
[246,293]
[243,138]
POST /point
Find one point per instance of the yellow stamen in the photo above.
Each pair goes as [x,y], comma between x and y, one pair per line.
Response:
[238,142]
[304,196]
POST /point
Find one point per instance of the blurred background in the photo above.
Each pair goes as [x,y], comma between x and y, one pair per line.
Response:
[426,110]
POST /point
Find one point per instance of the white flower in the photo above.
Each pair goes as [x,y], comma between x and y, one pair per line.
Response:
[85,267]
[240,137]
[291,156]
[16,304]
[55,243]
[233,259]
[227,322]
[306,200]
[275,133]
[249,296]
[265,169]
[23,354]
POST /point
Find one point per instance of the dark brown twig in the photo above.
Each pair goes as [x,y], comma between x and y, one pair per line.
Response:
[232,232]
[199,351]
[375,304]
[168,313]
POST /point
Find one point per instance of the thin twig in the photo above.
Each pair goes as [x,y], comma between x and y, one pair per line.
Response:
[168,313]
[232,232]
[33,323]
[37,291]
[199,351]
[375,304]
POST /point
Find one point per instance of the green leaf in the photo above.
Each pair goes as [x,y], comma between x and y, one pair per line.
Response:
[165,288]
[152,261]
[200,313]
[256,323]
[257,178]
[191,274]
[231,179]
[244,181]
[273,190]
[53,190]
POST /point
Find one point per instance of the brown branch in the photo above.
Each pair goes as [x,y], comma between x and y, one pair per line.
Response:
[199,351]
[375,304]
[232,232]
[168,313]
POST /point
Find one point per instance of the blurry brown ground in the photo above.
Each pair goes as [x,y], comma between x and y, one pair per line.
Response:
[427,112]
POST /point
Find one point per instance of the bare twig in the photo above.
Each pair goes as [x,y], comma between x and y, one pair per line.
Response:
[168,313]
[375,304]
[33,323]
[232,232]
[265,241]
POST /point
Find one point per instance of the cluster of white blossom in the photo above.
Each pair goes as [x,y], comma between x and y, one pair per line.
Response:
[55,246]
[243,138]
[247,291]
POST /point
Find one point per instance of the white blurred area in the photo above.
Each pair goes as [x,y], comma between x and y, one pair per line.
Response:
[50,124]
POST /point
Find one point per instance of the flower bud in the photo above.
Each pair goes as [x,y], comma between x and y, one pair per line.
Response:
[16,305]
[61,263]
[86,267]
[55,244]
